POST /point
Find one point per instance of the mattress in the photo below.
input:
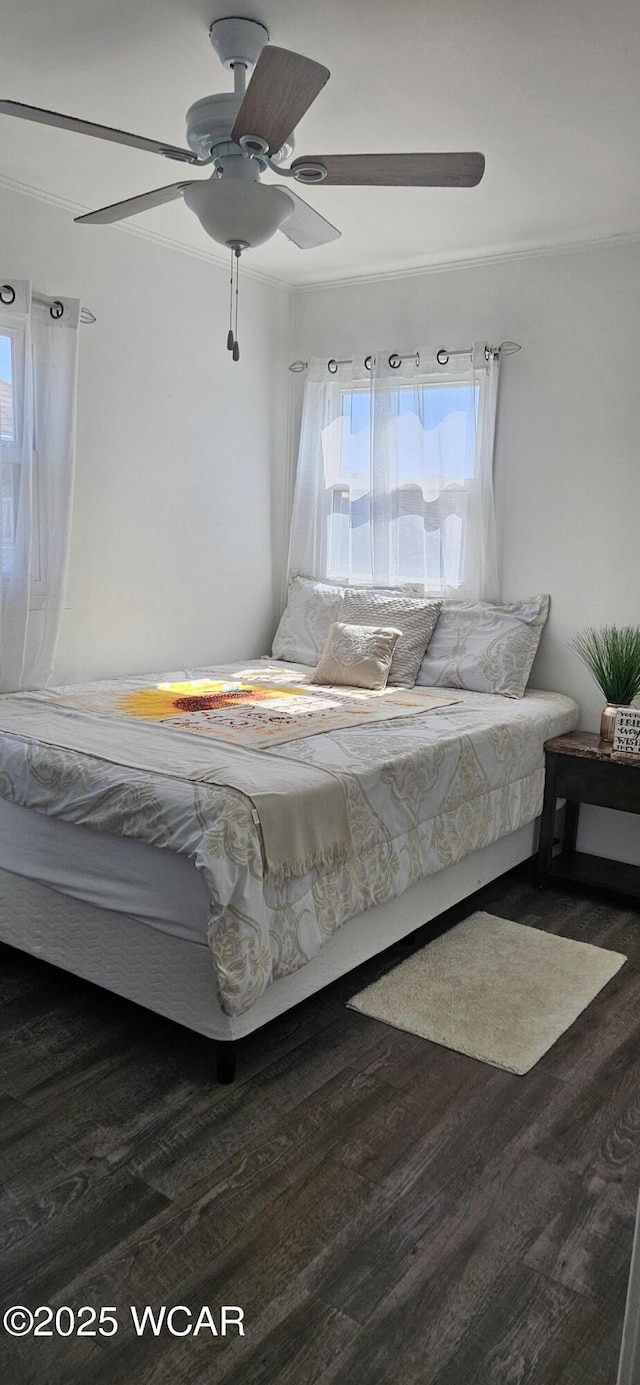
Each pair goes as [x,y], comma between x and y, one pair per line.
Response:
[422,792]
[160,888]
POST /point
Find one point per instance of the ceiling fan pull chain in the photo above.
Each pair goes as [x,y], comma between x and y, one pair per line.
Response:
[230,332]
[236,347]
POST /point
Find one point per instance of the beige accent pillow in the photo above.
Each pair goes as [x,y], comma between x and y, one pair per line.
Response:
[415,619]
[356,656]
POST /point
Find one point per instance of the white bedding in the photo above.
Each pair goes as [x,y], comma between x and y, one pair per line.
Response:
[422,792]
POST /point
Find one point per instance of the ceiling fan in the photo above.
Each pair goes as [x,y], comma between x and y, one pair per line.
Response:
[244,133]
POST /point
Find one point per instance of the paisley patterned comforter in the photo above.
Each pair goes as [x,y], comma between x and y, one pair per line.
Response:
[422,792]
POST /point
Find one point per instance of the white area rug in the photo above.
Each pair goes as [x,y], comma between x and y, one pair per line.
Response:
[492,989]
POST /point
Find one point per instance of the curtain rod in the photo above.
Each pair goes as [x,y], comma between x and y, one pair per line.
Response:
[8,293]
[443,355]
[86,314]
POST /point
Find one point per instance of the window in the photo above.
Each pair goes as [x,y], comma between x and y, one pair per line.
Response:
[7,421]
[421,471]
[394,484]
[9,446]
[11,450]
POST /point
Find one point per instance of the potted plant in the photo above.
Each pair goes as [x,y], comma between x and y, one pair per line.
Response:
[612,656]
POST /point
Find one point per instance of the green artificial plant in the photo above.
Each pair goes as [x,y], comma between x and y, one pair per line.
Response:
[612,656]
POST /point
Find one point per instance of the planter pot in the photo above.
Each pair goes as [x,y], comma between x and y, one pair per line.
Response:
[608,721]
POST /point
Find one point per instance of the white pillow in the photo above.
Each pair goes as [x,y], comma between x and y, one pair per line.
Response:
[311,608]
[485,647]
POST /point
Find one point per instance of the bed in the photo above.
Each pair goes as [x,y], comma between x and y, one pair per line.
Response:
[137,870]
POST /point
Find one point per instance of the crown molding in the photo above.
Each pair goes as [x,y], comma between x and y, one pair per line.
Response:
[532,252]
[166,242]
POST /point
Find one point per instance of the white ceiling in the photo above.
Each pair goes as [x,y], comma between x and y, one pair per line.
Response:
[548,90]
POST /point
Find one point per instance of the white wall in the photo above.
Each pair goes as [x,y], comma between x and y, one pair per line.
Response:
[567,468]
[178,515]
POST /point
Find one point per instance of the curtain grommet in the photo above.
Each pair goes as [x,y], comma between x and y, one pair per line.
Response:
[56,310]
[332,366]
[368,362]
[7,289]
[442,356]
[395,361]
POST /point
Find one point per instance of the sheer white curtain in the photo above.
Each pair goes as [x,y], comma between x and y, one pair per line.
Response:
[38,375]
[394,480]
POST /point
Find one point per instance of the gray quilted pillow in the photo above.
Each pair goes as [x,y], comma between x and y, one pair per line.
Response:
[416,619]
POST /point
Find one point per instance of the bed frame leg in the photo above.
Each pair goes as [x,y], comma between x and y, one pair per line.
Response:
[225,1060]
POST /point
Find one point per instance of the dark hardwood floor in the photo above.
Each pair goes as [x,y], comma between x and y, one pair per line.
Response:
[382,1209]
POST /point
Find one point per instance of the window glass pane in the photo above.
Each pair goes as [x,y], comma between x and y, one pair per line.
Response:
[7,416]
[427,441]
[10,485]
[9,471]
[436,432]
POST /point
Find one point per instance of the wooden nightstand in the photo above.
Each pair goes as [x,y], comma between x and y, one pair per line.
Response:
[580,768]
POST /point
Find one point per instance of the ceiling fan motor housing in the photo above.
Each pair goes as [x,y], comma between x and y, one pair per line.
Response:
[211,120]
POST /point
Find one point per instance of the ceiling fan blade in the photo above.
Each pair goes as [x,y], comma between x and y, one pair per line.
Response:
[282,88]
[117,211]
[401,170]
[87,127]
[306,227]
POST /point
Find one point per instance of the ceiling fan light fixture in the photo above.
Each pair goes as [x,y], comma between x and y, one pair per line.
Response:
[232,210]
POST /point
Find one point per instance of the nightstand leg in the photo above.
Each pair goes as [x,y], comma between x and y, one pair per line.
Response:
[570,826]
[547,822]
